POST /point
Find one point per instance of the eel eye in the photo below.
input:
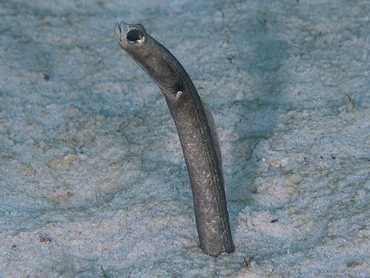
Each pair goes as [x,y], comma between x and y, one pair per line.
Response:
[135,36]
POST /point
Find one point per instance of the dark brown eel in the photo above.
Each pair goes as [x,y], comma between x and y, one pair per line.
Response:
[197,132]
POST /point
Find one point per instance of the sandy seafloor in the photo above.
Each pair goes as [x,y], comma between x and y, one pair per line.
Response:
[92,178]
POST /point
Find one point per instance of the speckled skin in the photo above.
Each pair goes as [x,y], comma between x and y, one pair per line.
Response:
[195,126]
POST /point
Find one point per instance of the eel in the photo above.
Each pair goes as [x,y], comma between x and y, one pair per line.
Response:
[196,129]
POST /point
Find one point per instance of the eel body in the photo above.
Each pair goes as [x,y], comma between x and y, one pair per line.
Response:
[197,132]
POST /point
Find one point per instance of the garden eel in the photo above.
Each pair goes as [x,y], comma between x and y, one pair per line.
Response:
[197,132]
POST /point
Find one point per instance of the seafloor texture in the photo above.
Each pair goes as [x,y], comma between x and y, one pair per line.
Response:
[92,178]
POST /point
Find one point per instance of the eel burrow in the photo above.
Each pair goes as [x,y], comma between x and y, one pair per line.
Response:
[197,132]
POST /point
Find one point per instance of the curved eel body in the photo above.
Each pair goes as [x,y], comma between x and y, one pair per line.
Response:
[195,126]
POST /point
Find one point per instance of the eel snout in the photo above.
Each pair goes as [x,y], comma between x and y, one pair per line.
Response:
[119,31]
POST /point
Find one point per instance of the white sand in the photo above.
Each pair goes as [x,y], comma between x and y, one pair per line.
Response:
[92,178]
